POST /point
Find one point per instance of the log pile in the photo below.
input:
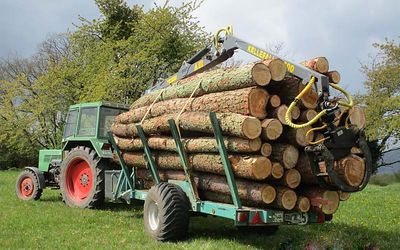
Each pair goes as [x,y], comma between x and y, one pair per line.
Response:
[267,156]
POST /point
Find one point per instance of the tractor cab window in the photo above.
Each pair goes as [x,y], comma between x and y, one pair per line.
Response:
[87,124]
[71,123]
[107,116]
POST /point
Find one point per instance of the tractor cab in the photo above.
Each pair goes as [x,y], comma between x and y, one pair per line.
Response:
[87,125]
[86,130]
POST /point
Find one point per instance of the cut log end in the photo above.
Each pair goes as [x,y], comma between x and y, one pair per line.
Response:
[303,204]
[334,76]
[357,117]
[331,202]
[288,199]
[292,178]
[255,144]
[266,149]
[277,170]
[277,68]
[258,99]
[262,168]
[351,169]
[290,157]
[344,196]
[271,129]
[274,101]
[261,74]
[268,194]
[251,128]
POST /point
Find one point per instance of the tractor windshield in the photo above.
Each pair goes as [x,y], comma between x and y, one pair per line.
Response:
[71,123]
[107,116]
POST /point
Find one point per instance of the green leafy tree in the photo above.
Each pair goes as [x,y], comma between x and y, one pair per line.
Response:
[382,97]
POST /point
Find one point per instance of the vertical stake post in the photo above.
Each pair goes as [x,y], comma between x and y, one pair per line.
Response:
[225,160]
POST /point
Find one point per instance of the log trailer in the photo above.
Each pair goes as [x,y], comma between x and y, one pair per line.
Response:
[86,175]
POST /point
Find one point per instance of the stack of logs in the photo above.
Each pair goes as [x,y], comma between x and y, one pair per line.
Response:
[267,156]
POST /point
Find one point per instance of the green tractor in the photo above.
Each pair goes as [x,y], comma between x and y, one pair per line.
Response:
[78,167]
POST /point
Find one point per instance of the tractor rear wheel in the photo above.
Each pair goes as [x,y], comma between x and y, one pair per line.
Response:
[82,178]
[166,212]
[27,186]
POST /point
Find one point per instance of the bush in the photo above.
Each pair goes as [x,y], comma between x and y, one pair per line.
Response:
[385,179]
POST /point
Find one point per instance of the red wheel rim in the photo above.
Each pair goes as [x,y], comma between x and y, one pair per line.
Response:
[78,180]
[26,187]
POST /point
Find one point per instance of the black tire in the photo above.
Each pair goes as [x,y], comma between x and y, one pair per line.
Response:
[27,186]
[262,230]
[92,194]
[166,212]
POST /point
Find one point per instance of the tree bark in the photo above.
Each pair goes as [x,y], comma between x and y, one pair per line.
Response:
[322,200]
[319,64]
[231,124]
[271,129]
[304,167]
[250,101]
[249,167]
[210,82]
[285,154]
[192,145]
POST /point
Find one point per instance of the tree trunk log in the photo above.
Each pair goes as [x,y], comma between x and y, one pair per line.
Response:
[274,101]
[249,167]
[357,117]
[266,149]
[351,169]
[307,115]
[286,198]
[192,145]
[231,124]
[210,82]
[304,168]
[279,113]
[289,88]
[297,136]
[334,76]
[343,196]
[321,199]
[285,154]
[271,129]
[248,101]
[277,171]
[277,68]
[291,179]
[319,64]
[303,204]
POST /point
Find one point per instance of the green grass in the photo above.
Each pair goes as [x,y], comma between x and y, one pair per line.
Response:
[369,217]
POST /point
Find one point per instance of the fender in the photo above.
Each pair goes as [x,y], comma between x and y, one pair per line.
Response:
[40,175]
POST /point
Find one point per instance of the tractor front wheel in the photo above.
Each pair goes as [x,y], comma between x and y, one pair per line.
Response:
[27,186]
[82,178]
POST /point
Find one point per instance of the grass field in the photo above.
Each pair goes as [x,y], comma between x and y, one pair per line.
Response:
[371,217]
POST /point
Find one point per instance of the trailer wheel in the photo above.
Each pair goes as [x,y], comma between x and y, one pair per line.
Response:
[82,178]
[166,212]
[27,186]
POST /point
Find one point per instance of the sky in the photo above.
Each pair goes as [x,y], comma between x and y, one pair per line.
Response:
[341,30]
